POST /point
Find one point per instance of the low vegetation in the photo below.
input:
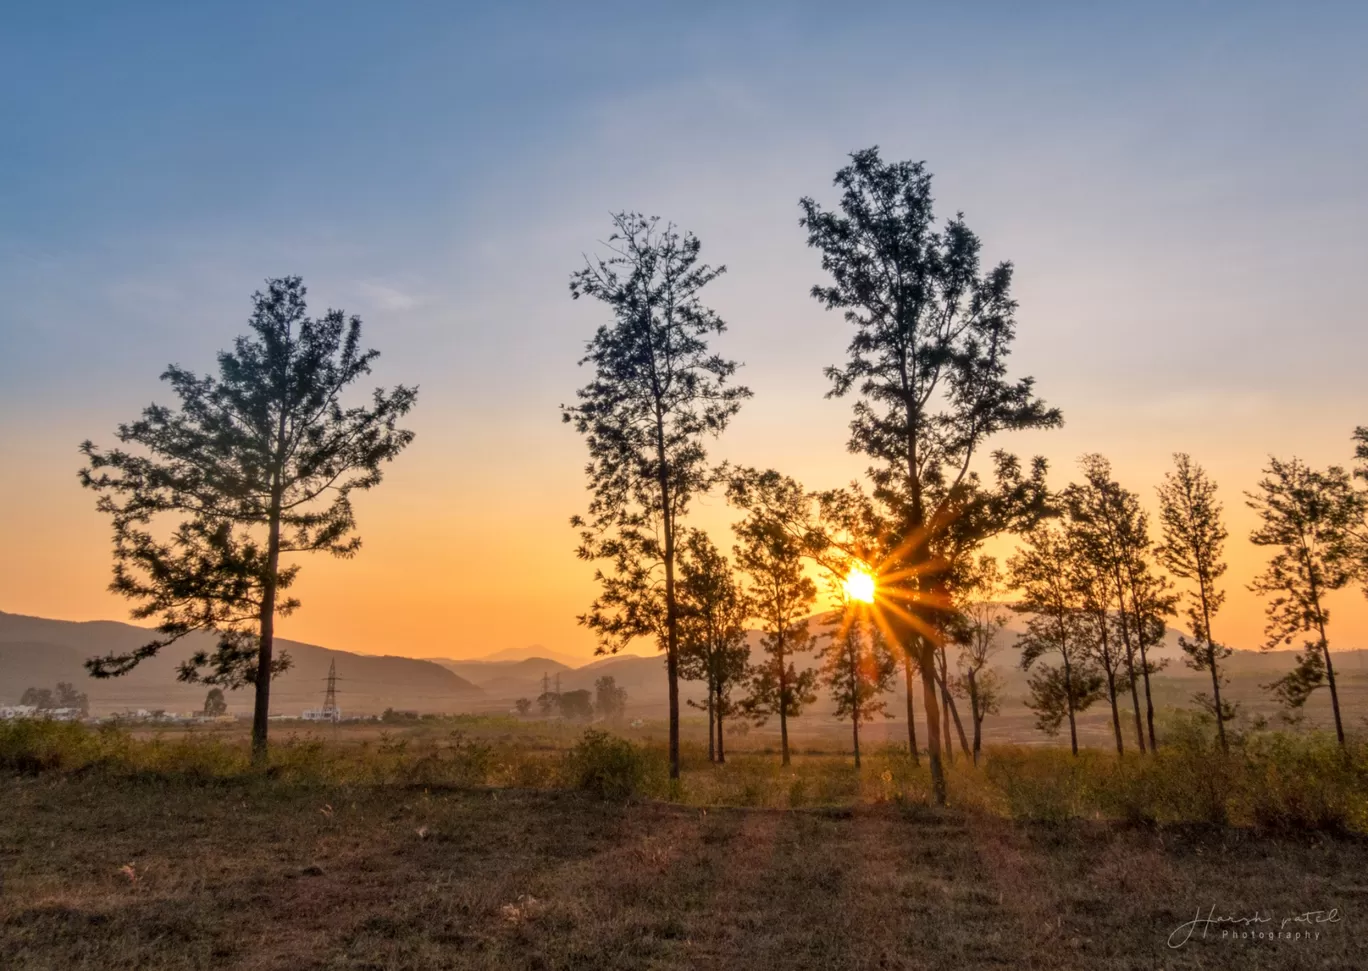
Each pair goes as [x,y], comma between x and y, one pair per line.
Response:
[458,848]
[1268,779]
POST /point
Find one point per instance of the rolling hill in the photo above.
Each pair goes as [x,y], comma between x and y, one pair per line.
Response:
[38,652]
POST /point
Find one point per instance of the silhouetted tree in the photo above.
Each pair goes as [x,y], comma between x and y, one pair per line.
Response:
[1056,625]
[1360,439]
[658,391]
[258,464]
[1090,579]
[40,698]
[1192,547]
[69,697]
[1109,528]
[1152,601]
[610,701]
[858,668]
[215,704]
[523,706]
[781,595]
[928,363]
[982,619]
[1057,692]
[1308,517]
[576,704]
[712,641]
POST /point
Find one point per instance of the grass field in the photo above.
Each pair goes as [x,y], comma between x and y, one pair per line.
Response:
[168,853]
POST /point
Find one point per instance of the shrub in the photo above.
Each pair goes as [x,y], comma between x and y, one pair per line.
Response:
[608,766]
[1304,781]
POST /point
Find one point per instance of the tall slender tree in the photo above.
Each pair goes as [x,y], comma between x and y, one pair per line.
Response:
[782,596]
[1307,517]
[658,392]
[1192,549]
[857,667]
[1153,600]
[1056,625]
[928,363]
[257,465]
[712,641]
[982,621]
[1110,529]
[1360,531]
[1095,589]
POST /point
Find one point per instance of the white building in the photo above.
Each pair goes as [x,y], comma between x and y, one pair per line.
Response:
[322,715]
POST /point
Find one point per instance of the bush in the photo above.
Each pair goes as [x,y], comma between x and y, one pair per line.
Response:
[1043,784]
[1305,782]
[608,766]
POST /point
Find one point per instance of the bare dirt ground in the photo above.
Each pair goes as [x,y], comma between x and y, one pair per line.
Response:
[250,874]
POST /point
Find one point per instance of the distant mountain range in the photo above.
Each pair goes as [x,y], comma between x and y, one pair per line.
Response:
[36,652]
[534,651]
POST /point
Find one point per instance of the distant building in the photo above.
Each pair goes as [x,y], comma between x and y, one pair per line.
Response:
[29,711]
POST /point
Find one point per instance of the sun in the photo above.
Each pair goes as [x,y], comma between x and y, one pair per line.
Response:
[859,585]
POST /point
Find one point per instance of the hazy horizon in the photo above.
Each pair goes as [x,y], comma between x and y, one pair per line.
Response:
[1183,197]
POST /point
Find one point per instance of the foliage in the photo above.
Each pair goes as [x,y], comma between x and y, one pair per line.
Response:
[658,391]
[609,700]
[1110,530]
[1194,538]
[1043,571]
[928,363]
[256,463]
[214,703]
[781,594]
[1308,517]
[713,615]
[858,668]
[608,766]
[64,697]
[577,704]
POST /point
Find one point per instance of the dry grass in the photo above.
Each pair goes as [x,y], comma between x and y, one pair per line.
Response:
[428,849]
[254,874]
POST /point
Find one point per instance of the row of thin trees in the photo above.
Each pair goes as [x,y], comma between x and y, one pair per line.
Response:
[927,369]
[215,501]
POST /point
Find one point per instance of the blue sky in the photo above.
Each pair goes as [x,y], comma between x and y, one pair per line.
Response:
[1182,188]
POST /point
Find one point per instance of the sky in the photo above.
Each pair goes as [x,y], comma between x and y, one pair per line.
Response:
[1181,188]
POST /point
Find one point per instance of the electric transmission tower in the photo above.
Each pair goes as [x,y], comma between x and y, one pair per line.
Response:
[330,699]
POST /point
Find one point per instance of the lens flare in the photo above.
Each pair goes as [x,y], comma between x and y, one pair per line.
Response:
[859,585]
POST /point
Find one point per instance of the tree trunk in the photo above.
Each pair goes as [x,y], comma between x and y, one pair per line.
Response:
[1069,703]
[974,713]
[945,725]
[911,709]
[783,709]
[1135,702]
[712,745]
[261,712]
[1149,704]
[1330,677]
[1130,662]
[1116,713]
[855,726]
[954,715]
[721,750]
[671,607]
[932,706]
[1211,663]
